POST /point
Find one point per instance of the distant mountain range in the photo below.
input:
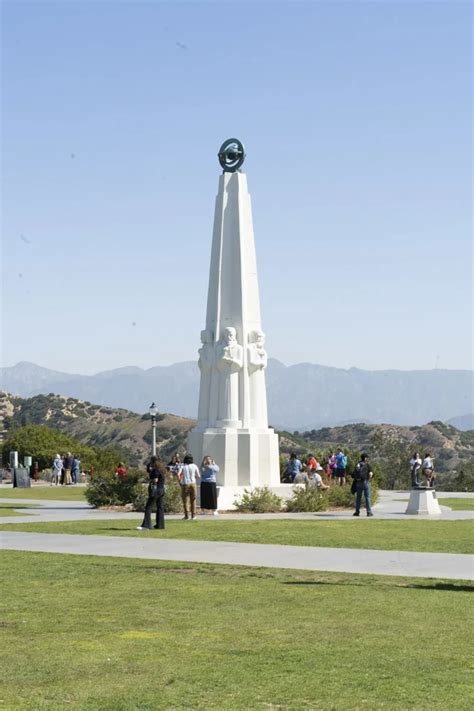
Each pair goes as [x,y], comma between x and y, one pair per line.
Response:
[300,397]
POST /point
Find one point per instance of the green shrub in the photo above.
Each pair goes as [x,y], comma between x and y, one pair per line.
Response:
[308,498]
[312,499]
[106,489]
[139,496]
[259,500]
[340,497]
[173,501]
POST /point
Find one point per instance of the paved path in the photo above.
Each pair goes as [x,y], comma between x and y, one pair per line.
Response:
[391,505]
[342,560]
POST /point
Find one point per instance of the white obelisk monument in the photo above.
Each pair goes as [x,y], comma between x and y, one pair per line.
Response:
[232,418]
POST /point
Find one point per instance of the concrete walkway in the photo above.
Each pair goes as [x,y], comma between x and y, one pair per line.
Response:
[341,560]
[391,505]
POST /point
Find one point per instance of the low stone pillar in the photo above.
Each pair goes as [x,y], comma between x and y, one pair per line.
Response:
[423,502]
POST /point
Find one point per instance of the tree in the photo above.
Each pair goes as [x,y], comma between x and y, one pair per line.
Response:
[43,443]
[393,459]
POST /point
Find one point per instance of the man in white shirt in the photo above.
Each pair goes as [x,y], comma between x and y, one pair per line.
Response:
[315,479]
[188,473]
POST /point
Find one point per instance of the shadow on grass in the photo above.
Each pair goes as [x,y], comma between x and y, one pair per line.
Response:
[134,528]
[450,587]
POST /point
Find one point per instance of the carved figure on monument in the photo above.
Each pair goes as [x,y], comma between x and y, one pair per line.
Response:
[257,362]
[229,360]
[206,362]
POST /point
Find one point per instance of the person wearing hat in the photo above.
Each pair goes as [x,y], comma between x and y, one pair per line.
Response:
[362,477]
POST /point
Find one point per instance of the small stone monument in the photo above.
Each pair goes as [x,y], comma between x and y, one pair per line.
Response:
[232,418]
[423,502]
[21,478]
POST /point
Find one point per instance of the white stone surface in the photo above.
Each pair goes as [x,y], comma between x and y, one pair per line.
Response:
[226,495]
[423,502]
[232,418]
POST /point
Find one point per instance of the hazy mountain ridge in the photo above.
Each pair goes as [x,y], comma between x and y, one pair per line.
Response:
[303,396]
[463,422]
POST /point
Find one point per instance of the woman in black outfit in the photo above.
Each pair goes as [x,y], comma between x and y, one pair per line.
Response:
[156,494]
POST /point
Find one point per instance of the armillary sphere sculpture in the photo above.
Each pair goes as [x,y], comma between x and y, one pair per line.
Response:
[231,155]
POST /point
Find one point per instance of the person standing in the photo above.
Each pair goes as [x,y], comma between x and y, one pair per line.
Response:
[415,467]
[341,466]
[293,467]
[362,477]
[209,471]
[156,495]
[311,465]
[188,474]
[68,462]
[174,464]
[56,471]
[331,468]
[121,471]
[427,468]
[76,470]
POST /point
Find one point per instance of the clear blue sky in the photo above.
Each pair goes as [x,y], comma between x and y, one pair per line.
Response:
[356,118]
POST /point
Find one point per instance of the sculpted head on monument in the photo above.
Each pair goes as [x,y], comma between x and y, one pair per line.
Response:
[231,155]
[257,337]
[230,335]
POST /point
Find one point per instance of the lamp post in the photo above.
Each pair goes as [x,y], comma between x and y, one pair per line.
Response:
[153,413]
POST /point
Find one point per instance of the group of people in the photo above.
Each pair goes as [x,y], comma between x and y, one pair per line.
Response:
[311,472]
[310,475]
[66,470]
[188,474]
[425,467]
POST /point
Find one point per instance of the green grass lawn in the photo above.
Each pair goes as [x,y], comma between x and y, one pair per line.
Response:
[434,536]
[458,504]
[55,493]
[123,635]
[8,510]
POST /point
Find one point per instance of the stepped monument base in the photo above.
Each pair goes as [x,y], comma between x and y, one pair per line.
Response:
[423,502]
[247,458]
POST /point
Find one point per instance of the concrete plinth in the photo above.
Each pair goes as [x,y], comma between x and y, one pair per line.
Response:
[246,458]
[423,502]
[226,495]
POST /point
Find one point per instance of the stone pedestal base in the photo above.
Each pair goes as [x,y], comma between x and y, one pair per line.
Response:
[226,495]
[246,458]
[423,502]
